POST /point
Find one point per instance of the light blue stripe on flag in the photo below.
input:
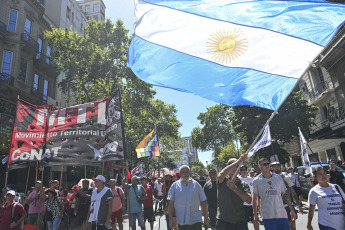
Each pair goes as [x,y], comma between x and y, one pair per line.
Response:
[231,52]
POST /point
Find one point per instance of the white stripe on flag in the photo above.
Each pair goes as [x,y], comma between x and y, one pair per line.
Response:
[265,141]
[305,155]
[266,50]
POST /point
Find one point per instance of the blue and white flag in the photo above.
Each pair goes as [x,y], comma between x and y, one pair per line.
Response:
[265,141]
[233,52]
[305,156]
[4,160]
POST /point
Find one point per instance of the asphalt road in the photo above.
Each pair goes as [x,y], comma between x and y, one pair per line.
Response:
[301,222]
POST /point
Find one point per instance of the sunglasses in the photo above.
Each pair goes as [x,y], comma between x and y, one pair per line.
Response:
[332,163]
[266,164]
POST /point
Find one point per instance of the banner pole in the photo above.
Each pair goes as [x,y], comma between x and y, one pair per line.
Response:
[27,181]
[128,199]
[85,172]
[61,173]
[6,177]
[42,174]
[36,171]
[102,168]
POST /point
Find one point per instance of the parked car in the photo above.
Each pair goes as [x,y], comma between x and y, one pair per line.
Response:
[305,180]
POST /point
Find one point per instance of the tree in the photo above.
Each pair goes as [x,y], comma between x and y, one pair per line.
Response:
[95,67]
[197,162]
[195,169]
[226,153]
[210,166]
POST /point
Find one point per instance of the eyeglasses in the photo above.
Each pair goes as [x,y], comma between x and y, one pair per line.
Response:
[266,164]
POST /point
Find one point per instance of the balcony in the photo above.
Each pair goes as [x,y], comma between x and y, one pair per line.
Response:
[29,44]
[38,96]
[45,63]
[7,79]
[3,29]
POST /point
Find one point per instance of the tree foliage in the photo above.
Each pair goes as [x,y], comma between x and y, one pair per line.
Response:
[95,68]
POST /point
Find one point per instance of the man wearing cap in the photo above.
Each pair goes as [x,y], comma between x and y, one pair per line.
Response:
[136,196]
[83,203]
[7,220]
[10,187]
[231,195]
[272,191]
[276,168]
[158,189]
[35,201]
[186,196]
[101,205]
[248,209]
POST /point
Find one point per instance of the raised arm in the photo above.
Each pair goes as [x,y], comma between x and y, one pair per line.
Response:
[225,171]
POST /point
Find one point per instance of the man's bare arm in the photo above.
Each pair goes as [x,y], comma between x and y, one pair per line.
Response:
[225,171]
[287,200]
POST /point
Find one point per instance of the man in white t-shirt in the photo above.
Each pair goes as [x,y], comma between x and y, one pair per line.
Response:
[159,191]
[248,209]
[271,189]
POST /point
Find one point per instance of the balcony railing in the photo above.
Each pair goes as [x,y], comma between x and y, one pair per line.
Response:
[319,88]
[3,27]
[27,39]
[38,96]
[43,58]
[6,78]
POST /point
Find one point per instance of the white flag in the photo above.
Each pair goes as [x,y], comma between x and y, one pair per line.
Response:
[265,141]
[304,153]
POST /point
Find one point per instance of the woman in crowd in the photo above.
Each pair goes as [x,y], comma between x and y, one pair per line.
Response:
[329,199]
[52,211]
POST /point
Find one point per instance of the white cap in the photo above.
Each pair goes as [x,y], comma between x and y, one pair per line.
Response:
[12,192]
[100,177]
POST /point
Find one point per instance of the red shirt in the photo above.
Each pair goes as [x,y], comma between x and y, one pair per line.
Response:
[6,216]
[148,202]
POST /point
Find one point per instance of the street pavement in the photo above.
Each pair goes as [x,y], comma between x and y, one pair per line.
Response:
[301,222]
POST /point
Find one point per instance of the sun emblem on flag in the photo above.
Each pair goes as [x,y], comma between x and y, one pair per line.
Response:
[227,45]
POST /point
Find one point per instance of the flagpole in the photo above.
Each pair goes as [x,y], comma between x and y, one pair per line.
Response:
[27,181]
[36,171]
[128,199]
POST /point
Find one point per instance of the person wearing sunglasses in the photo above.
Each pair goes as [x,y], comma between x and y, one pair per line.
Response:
[272,191]
[336,177]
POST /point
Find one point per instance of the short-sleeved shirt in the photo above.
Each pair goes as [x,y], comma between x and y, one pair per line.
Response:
[158,187]
[84,202]
[103,207]
[34,205]
[329,203]
[117,201]
[230,205]
[53,207]
[135,206]
[249,182]
[294,177]
[210,190]
[187,200]
[148,202]
[6,216]
[270,192]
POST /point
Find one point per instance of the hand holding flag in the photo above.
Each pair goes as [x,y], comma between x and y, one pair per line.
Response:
[265,141]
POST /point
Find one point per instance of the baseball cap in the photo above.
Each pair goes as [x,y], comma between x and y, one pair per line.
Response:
[11,192]
[100,177]
[38,182]
[135,178]
[275,163]
[75,188]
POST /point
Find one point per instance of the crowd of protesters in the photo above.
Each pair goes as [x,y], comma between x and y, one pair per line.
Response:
[228,200]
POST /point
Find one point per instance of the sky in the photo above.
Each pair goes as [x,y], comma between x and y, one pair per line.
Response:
[188,105]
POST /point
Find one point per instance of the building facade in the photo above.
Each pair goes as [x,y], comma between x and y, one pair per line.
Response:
[93,9]
[323,85]
[189,153]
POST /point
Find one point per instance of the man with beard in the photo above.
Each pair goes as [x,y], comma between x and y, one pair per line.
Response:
[54,186]
[210,190]
[272,191]
[186,195]
[231,195]
[35,201]
[276,168]
[83,203]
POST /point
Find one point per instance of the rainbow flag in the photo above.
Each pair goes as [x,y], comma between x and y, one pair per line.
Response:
[149,146]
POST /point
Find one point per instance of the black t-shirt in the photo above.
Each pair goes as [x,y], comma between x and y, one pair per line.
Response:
[83,202]
[201,181]
[336,177]
[210,190]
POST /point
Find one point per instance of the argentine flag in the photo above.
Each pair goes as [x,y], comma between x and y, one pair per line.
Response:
[233,52]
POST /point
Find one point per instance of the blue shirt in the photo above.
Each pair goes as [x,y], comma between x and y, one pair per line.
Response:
[135,206]
[187,200]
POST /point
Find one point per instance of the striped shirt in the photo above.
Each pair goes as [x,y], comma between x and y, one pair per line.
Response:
[270,192]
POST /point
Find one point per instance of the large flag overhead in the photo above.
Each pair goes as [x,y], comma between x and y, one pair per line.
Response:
[305,156]
[264,141]
[149,146]
[231,51]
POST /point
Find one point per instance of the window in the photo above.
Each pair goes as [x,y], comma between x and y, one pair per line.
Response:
[40,43]
[68,13]
[87,9]
[28,26]
[95,8]
[6,62]
[48,54]
[36,83]
[22,70]
[95,17]
[332,154]
[12,21]
[45,90]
